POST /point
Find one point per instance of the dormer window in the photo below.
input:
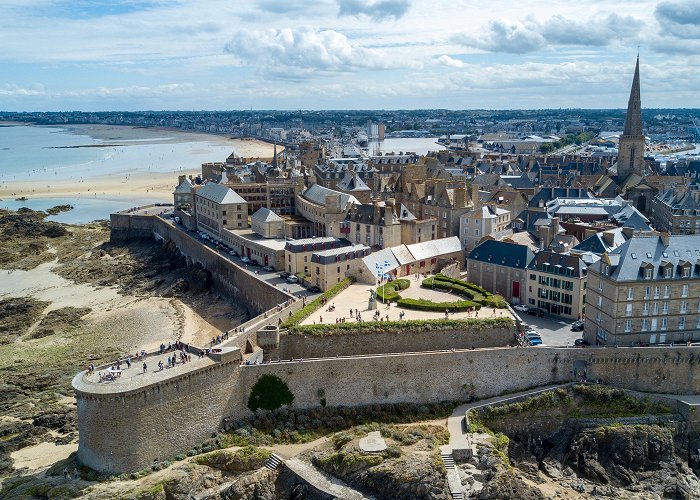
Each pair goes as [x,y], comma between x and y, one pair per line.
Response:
[668,272]
[647,273]
[686,272]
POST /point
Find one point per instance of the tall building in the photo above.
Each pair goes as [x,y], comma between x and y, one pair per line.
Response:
[646,290]
[630,158]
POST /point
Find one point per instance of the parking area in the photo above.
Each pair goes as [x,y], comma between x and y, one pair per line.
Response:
[555,332]
[271,277]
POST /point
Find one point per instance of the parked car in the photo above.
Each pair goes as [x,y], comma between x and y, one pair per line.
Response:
[531,336]
[535,311]
[292,279]
[253,262]
[284,274]
[520,308]
[232,252]
[535,341]
[314,289]
[268,268]
[577,326]
[178,220]
[580,343]
[245,259]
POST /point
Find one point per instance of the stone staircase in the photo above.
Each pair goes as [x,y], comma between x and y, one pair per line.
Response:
[453,479]
[273,462]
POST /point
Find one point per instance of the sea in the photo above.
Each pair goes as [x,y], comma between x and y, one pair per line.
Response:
[38,152]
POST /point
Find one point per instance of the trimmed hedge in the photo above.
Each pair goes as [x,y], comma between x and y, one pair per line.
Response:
[451,287]
[389,292]
[428,305]
[312,306]
[496,301]
[399,327]
[471,286]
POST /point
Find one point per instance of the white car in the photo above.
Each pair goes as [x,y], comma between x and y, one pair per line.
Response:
[292,279]
[520,308]
[245,260]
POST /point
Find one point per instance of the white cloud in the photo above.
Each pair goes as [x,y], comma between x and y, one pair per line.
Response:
[512,37]
[679,18]
[379,10]
[446,60]
[303,51]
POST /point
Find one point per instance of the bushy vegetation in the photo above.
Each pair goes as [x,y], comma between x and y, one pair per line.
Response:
[429,305]
[414,326]
[471,291]
[607,402]
[550,399]
[286,425]
[269,393]
[313,306]
[246,459]
[568,139]
[389,292]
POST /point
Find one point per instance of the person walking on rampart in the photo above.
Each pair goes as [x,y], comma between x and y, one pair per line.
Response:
[145,367]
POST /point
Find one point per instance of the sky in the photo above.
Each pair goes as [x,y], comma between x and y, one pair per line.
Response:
[93,55]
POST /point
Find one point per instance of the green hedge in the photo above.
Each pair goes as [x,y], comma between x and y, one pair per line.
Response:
[412,326]
[428,305]
[451,287]
[389,292]
[471,286]
[312,306]
[496,301]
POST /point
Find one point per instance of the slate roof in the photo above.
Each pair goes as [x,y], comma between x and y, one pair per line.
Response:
[352,183]
[597,244]
[263,215]
[626,261]
[518,181]
[218,193]
[548,194]
[185,187]
[435,248]
[563,260]
[502,253]
[317,194]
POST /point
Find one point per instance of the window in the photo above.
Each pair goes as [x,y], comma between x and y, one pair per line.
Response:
[647,273]
[223,212]
[628,325]
[647,292]
[645,325]
[686,272]
[628,310]
[239,216]
[655,309]
[600,301]
[664,324]
[630,293]
[668,272]
[681,323]
[684,307]
[224,222]
[697,325]
[664,309]
[645,308]
[656,292]
[667,291]
[684,291]
[600,284]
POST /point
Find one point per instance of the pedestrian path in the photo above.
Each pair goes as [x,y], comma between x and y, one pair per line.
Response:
[324,482]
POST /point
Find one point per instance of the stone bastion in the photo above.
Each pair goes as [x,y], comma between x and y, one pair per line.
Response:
[127,428]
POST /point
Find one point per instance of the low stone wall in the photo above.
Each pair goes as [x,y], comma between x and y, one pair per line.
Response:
[295,346]
[127,430]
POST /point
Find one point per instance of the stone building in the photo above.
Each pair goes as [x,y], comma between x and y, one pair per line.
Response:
[501,267]
[218,207]
[677,211]
[330,267]
[646,290]
[375,225]
[183,196]
[481,222]
[557,284]
[298,252]
[324,208]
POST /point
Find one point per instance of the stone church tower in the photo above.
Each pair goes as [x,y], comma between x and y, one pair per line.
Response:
[630,158]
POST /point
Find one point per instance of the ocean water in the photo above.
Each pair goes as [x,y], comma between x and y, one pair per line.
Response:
[418,145]
[44,153]
[28,153]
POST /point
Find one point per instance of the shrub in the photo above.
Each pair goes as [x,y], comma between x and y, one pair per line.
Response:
[269,393]
[496,301]
[414,326]
[469,290]
[389,292]
[429,305]
[312,306]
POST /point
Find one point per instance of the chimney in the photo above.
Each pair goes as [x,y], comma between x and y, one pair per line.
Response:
[555,227]
[665,237]
[377,213]
[181,179]
[609,238]
[628,231]
[475,196]
[460,197]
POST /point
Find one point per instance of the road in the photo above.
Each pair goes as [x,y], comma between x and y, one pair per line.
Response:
[555,332]
[271,277]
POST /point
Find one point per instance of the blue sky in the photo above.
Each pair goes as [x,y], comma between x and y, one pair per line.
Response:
[343,54]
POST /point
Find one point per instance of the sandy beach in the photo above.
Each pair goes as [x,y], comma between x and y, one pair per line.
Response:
[137,182]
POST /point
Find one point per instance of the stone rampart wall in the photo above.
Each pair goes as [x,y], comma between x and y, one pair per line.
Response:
[297,346]
[127,431]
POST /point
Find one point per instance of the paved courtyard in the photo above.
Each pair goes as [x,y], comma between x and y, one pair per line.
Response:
[356,297]
[555,332]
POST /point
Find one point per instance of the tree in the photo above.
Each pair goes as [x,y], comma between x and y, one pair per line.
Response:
[269,393]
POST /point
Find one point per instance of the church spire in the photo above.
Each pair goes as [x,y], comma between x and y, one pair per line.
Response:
[630,157]
[633,122]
